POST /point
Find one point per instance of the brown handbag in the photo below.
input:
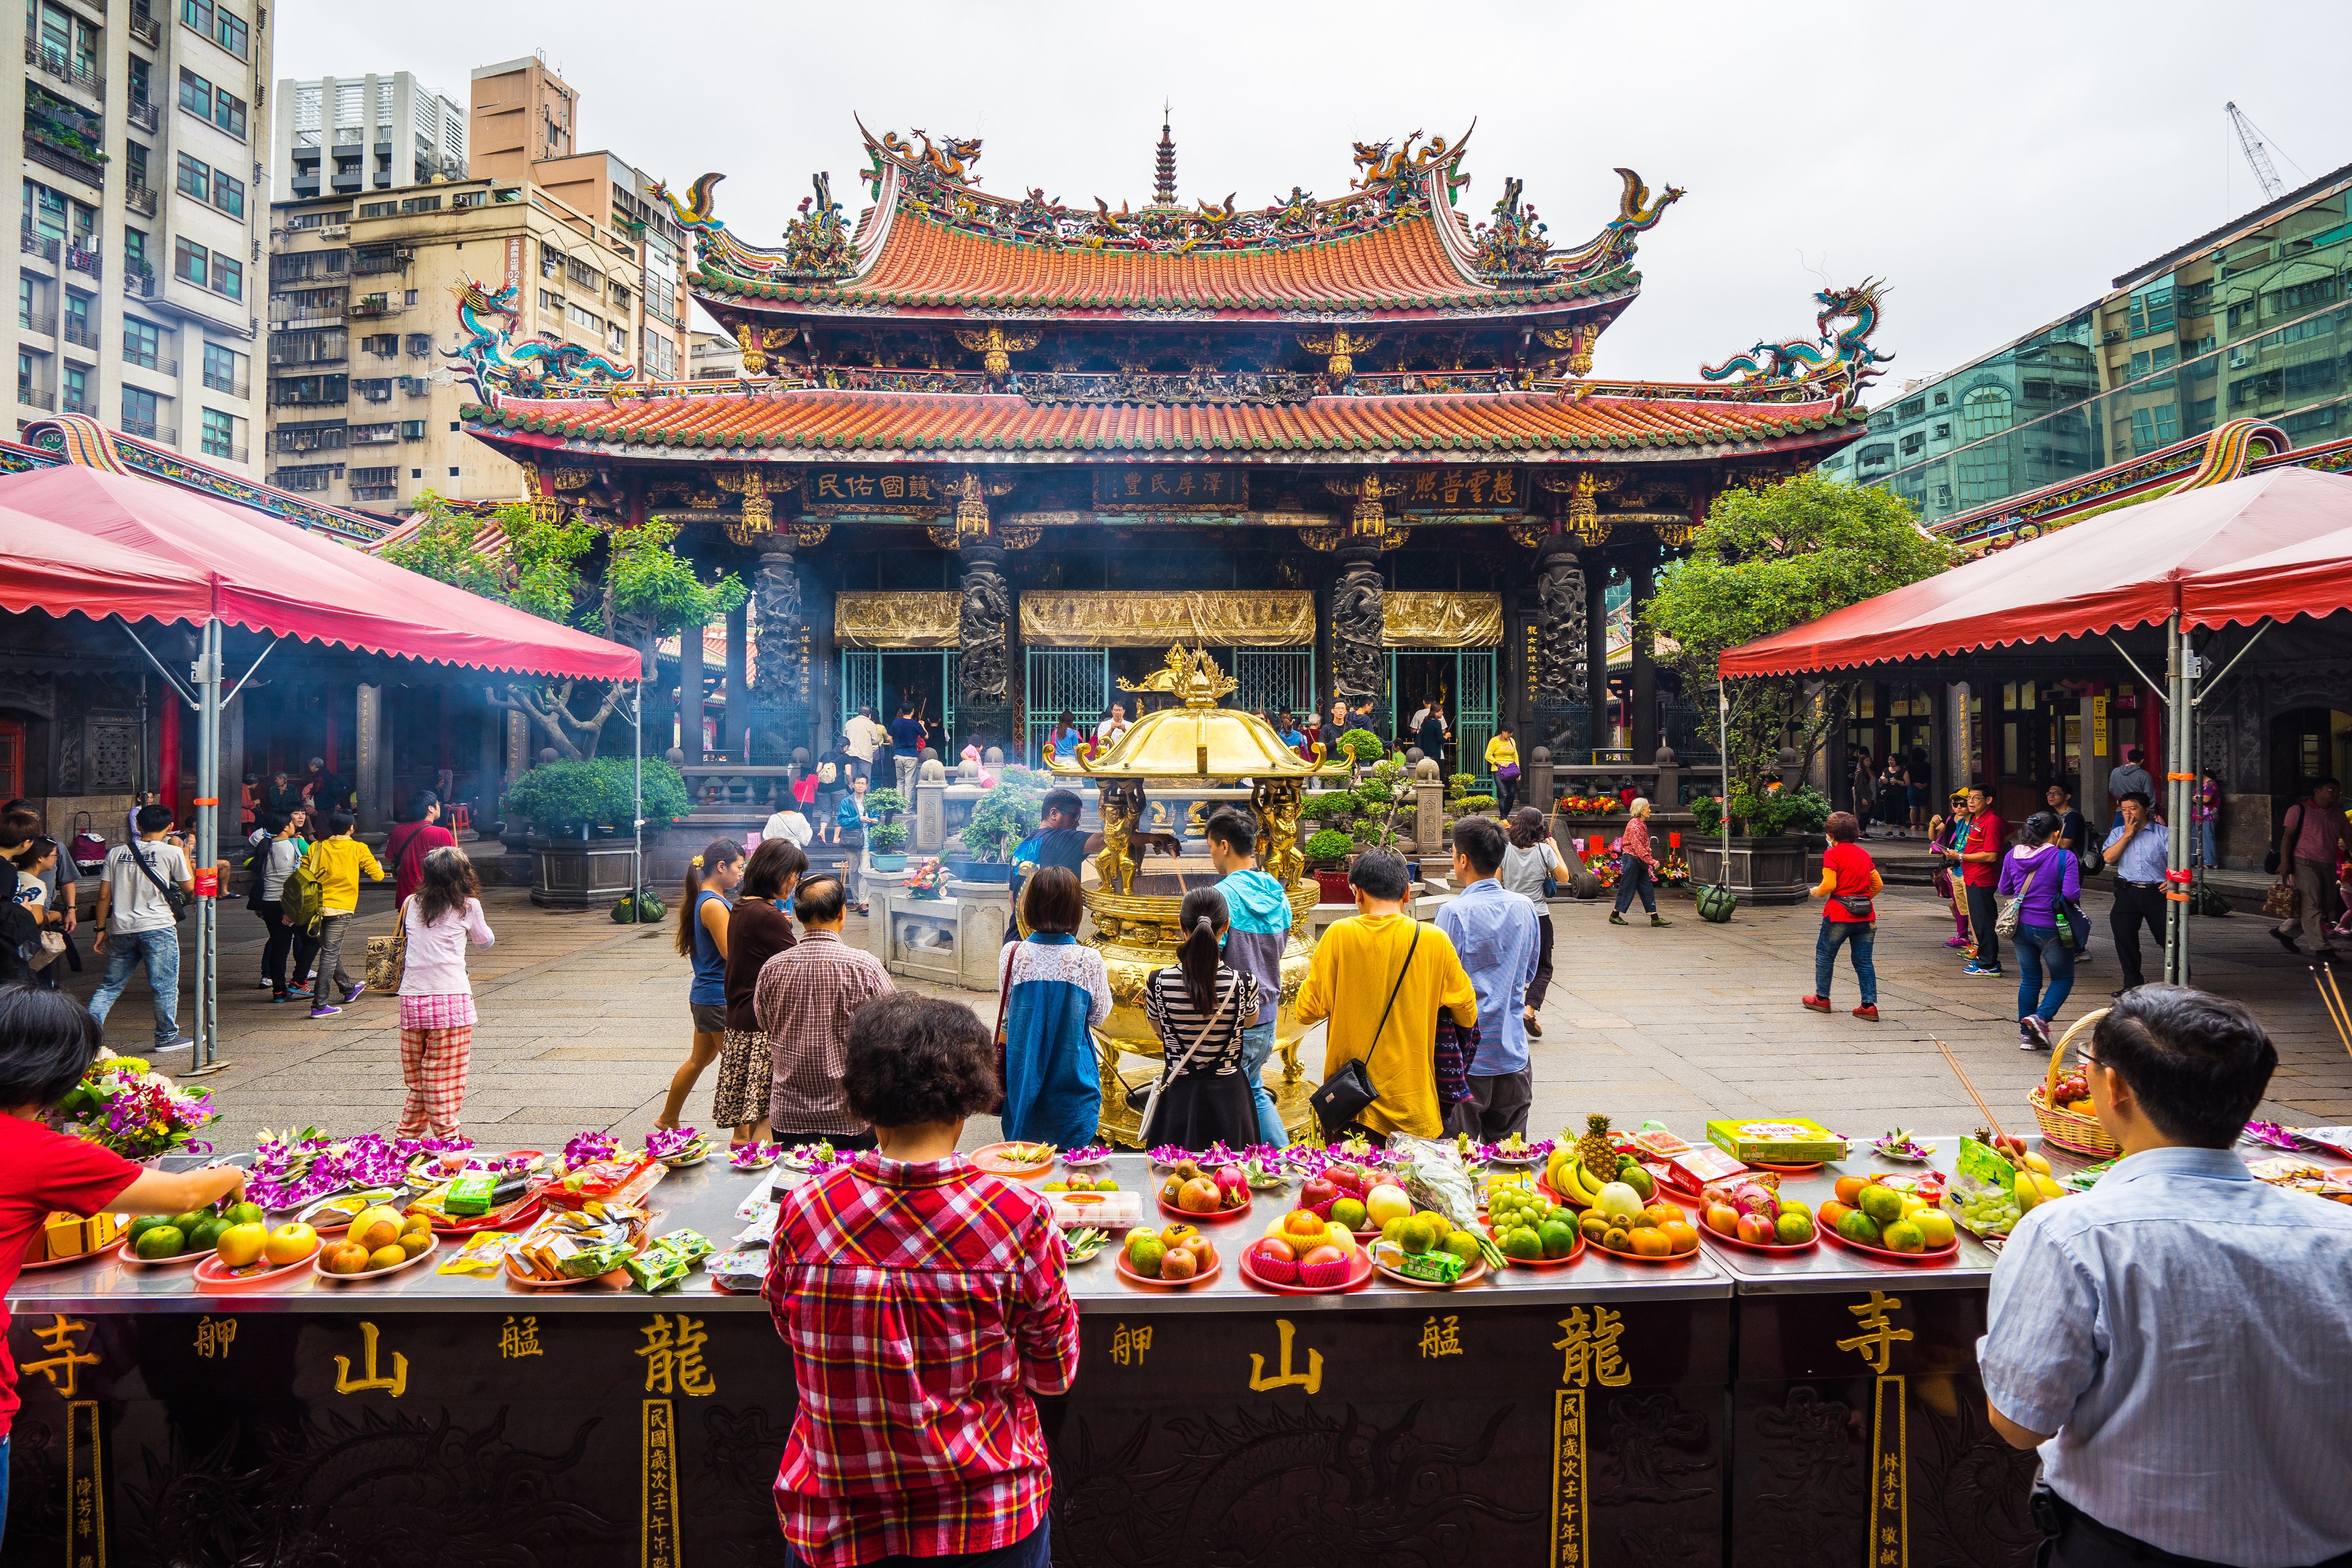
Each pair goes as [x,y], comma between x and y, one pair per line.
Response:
[2283,901]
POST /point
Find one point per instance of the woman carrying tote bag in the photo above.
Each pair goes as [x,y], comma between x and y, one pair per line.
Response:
[1200,1006]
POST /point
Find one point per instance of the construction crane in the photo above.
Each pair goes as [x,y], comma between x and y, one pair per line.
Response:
[2249,141]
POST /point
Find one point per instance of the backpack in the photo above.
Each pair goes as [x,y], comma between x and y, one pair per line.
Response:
[303,897]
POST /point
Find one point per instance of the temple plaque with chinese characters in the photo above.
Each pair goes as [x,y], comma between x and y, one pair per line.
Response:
[1172,488]
[1469,489]
[827,492]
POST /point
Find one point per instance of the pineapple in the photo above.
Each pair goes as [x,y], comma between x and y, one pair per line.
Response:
[1594,1152]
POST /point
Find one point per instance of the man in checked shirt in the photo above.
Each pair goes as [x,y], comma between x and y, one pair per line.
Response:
[925,1302]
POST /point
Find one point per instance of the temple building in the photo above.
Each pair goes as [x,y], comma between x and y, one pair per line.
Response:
[986,455]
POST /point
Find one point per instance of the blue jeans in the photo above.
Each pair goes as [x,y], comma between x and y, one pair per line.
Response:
[2038,945]
[4,1491]
[1257,1047]
[161,952]
[2205,842]
[1835,934]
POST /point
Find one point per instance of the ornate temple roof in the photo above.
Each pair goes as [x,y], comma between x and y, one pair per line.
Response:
[1395,245]
[1439,427]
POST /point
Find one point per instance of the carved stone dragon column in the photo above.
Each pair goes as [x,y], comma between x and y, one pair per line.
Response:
[1561,643]
[780,707]
[1356,631]
[984,705]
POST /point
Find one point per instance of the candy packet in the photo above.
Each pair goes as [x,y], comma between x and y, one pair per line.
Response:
[1982,1197]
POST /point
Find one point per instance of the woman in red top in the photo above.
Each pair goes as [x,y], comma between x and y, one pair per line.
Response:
[47,1041]
[924,1303]
[1849,880]
[1637,868]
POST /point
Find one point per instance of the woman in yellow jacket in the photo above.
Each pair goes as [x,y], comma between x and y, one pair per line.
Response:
[335,863]
[1357,962]
[1503,762]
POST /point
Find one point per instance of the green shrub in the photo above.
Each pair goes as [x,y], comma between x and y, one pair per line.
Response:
[1458,784]
[1001,819]
[560,799]
[887,837]
[1361,747]
[884,802]
[1709,811]
[1329,848]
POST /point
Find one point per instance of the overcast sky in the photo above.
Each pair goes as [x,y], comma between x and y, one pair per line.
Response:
[1997,163]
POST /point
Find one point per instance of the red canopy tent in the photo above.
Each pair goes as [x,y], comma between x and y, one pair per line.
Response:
[113,546]
[2254,551]
[2271,546]
[71,535]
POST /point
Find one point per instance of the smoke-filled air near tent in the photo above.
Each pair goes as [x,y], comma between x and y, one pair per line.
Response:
[2252,552]
[115,547]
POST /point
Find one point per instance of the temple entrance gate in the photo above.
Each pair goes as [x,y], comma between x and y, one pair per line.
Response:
[1274,680]
[1076,680]
[882,679]
[1465,679]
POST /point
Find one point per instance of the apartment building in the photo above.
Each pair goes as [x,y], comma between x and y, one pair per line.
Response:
[139,240]
[342,135]
[525,121]
[363,406]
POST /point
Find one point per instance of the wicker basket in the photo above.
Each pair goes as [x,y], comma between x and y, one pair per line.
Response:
[2070,1129]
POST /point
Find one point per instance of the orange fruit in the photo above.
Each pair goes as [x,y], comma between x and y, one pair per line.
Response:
[1849,1190]
[1680,1237]
[1649,1241]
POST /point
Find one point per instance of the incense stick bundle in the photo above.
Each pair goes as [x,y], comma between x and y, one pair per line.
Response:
[1966,1082]
[2331,997]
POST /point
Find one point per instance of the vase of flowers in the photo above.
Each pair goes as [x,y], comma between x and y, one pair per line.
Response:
[123,1105]
[927,879]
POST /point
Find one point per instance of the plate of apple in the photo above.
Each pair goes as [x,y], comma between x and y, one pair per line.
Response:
[1176,1257]
[1303,1253]
[1882,1219]
[1191,1193]
[1754,1218]
[249,1254]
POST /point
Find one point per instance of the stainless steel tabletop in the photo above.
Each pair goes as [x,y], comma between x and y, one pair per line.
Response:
[707,1197]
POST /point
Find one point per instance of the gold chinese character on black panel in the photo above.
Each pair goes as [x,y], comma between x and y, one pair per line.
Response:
[1480,487]
[829,492]
[1176,488]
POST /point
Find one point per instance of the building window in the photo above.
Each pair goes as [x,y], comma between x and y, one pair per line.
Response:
[196,178]
[141,342]
[1985,411]
[191,261]
[378,209]
[412,430]
[134,251]
[195,95]
[384,345]
[318,220]
[228,277]
[24,300]
[2151,310]
[138,411]
[206,101]
[586,320]
[2153,427]
[420,204]
[220,435]
[228,194]
[229,31]
[550,303]
[220,369]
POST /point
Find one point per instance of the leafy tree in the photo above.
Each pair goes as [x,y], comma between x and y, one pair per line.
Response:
[1767,560]
[643,592]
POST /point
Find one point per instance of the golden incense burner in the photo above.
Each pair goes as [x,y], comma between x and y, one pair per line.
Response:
[1198,744]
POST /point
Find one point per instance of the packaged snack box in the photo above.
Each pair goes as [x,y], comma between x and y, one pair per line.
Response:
[1776,1141]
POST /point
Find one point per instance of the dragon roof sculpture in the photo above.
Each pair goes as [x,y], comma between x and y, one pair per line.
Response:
[1839,363]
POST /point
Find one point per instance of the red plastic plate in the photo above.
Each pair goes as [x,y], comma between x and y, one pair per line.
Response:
[1944,1255]
[1140,1283]
[1357,1277]
[1215,1216]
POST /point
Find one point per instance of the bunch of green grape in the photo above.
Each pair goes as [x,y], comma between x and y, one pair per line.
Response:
[1988,1211]
[1508,1208]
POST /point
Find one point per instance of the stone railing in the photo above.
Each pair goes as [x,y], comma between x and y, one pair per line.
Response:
[733,788]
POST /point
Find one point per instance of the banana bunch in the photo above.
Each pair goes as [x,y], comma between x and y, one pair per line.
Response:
[1569,1176]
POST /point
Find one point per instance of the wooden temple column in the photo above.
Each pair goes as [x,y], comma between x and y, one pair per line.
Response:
[1642,568]
[689,688]
[1596,663]
[735,719]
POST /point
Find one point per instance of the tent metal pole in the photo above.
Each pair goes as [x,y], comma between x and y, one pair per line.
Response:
[2180,663]
[637,814]
[1723,768]
[207,682]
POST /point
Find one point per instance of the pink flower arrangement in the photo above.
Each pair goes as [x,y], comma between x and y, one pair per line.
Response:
[122,1106]
[927,879]
[588,1148]
[667,1142]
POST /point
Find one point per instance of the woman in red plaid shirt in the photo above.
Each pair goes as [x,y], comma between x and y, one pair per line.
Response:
[925,1302]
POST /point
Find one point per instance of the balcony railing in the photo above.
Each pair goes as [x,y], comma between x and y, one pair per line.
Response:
[64,162]
[40,245]
[144,26]
[139,197]
[375,492]
[80,260]
[35,397]
[169,367]
[369,266]
[375,307]
[138,285]
[144,115]
[224,454]
[50,63]
[40,323]
[147,430]
[229,385]
[83,331]
[72,404]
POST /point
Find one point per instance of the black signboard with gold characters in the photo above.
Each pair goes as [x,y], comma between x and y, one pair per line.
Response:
[827,492]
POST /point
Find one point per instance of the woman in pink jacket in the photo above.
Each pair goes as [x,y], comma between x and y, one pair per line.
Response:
[1637,868]
[436,999]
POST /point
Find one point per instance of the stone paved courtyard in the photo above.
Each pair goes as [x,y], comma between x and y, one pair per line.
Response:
[584,1021]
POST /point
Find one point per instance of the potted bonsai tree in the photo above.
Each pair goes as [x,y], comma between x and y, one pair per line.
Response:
[1327,852]
[581,815]
[1000,820]
[886,841]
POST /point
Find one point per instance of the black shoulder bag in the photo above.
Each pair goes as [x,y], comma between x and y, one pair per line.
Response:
[171,894]
[1348,1090]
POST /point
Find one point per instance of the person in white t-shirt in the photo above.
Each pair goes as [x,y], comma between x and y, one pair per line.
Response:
[1113,726]
[790,824]
[862,737]
[137,924]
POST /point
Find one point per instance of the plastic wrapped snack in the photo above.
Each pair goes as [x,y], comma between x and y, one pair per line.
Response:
[1438,1267]
[1981,1195]
[587,1262]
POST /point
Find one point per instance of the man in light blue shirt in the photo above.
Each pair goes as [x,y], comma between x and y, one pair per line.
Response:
[2138,851]
[1494,930]
[2174,1341]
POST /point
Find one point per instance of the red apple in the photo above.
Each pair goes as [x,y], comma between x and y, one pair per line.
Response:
[1323,1255]
[1275,1250]
[1203,1253]
[1179,1264]
[1199,1196]
[1715,1193]
[1756,1228]
[1316,1191]
[1722,1219]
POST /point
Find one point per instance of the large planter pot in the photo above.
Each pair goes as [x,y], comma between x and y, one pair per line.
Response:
[1780,870]
[579,873]
[980,871]
[889,860]
[1333,882]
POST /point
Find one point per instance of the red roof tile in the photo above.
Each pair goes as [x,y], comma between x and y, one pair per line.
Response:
[1402,267]
[1487,422]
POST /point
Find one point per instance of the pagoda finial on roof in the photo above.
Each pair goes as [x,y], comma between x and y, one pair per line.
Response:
[1163,186]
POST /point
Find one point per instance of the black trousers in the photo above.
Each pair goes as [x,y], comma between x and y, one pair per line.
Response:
[2136,903]
[1983,909]
[1541,984]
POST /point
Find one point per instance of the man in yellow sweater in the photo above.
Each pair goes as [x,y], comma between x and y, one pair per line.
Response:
[1357,965]
[336,861]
